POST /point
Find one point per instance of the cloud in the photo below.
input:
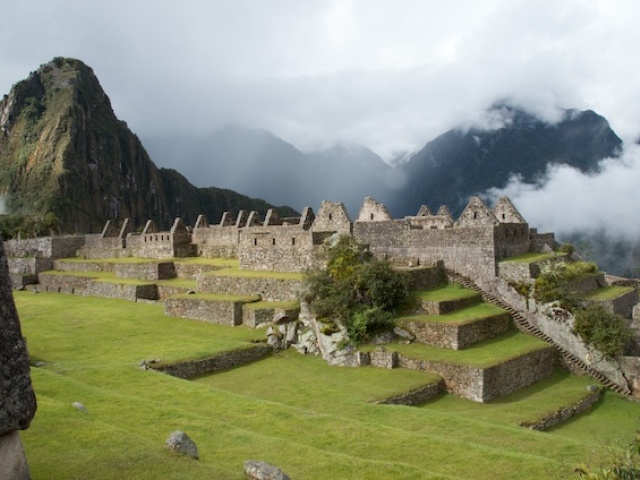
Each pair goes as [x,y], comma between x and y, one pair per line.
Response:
[390,76]
[3,205]
[567,201]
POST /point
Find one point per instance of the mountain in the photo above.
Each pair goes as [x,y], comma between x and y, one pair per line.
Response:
[63,151]
[460,164]
[257,161]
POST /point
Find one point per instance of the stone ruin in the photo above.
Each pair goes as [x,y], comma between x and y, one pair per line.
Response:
[17,399]
[471,245]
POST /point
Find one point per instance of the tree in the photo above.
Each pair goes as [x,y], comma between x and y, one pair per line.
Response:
[356,290]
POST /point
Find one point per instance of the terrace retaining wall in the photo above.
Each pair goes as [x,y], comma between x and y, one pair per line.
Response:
[220,312]
[269,289]
[417,396]
[484,384]
[460,335]
[222,361]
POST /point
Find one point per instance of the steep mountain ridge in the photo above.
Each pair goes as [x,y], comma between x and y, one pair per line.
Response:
[62,150]
[459,164]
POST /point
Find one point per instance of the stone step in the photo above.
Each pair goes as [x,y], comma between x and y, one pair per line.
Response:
[523,325]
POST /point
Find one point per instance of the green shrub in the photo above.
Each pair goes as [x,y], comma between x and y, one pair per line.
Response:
[551,283]
[602,329]
[625,465]
[356,290]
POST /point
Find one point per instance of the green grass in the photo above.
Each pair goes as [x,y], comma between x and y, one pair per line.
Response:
[461,316]
[178,282]
[236,272]
[216,262]
[127,260]
[607,293]
[482,355]
[314,421]
[263,304]
[444,293]
[532,257]
[220,297]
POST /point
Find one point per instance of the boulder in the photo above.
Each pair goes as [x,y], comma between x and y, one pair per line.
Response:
[180,443]
[258,470]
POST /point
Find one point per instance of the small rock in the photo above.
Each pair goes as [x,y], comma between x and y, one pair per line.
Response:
[40,364]
[180,442]
[593,388]
[258,470]
[191,292]
[79,406]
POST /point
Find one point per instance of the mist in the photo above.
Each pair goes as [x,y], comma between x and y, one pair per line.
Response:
[3,206]
[597,212]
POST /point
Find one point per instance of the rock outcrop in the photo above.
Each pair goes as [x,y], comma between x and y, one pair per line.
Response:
[17,398]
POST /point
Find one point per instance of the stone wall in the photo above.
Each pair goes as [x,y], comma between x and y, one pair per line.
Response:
[271,289]
[29,265]
[565,413]
[622,305]
[217,241]
[467,250]
[281,248]
[441,307]
[424,277]
[541,241]
[54,282]
[223,311]
[122,291]
[511,239]
[151,245]
[17,399]
[518,372]
[417,396]
[190,271]
[253,316]
[49,247]
[146,271]
[62,266]
[518,271]
[221,361]
[484,384]
[458,336]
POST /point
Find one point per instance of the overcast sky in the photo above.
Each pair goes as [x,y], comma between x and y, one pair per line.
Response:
[388,74]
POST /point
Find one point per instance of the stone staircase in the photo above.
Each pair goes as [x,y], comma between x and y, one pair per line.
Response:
[524,326]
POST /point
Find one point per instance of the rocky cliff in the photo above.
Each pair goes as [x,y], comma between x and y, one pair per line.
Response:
[62,150]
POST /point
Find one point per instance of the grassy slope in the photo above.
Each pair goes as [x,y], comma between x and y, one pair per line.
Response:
[312,420]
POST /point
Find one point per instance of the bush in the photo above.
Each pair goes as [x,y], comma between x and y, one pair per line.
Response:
[356,290]
[551,283]
[625,465]
[602,329]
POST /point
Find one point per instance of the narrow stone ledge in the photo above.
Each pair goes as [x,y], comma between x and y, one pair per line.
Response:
[417,396]
[565,413]
[192,368]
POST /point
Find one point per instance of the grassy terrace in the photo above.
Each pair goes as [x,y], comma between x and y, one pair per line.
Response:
[220,297]
[607,293]
[236,272]
[177,282]
[443,293]
[532,257]
[290,305]
[482,355]
[102,277]
[459,317]
[218,262]
[314,421]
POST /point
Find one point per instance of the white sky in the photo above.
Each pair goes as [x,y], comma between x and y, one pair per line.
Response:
[388,74]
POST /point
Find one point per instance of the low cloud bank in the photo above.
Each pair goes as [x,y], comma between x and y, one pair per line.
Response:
[566,201]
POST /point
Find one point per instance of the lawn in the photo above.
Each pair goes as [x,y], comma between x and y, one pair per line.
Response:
[460,316]
[607,293]
[314,421]
[532,257]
